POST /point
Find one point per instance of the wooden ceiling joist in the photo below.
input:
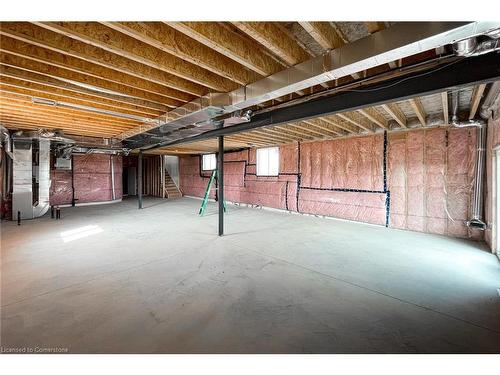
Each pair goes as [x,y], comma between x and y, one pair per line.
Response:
[374,116]
[275,40]
[27,93]
[287,132]
[324,127]
[166,38]
[41,55]
[419,110]
[43,119]
[396,113]
[182,90]
[30,106]
[68,129]
[113,41]
[230,44]
[273,138]
[97,83]
[46,115]
[54,93]
[360,121]
[263,137]
[296,130]
[475,99]
[335,121]
[251,140]
[56,124]
[24,75]
[282,133]
[324,34]
[306,127]
[274,134]
[373,27]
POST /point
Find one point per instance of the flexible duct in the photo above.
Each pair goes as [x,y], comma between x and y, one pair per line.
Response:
[476,220]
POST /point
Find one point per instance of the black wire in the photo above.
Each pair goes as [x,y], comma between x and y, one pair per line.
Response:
[406,79]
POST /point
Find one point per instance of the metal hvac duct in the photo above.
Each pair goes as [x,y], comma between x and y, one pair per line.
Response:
[476,220]
[22,183]
[22,175]
[474,47]
[50,135]
[399,41]
[100,150]
[43,178]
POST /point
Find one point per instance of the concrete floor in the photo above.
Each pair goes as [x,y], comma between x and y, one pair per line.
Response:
[159,280]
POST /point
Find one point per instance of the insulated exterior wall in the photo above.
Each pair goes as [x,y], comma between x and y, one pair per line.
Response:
[430,174]
[419,180]
[91,177]
[61,190]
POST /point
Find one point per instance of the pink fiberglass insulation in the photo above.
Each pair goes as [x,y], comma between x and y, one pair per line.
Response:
[118,169]
[355,163]
[61,190]
[91,178]
[429,176]
[192,181]
[352,163]
[366,207]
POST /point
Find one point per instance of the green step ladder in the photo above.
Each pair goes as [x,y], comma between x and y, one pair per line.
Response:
[207,193]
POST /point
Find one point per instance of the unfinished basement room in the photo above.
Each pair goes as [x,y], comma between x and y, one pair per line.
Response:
[250,187]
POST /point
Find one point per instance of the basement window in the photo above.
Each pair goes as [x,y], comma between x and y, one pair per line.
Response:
[209,162]
[268,161]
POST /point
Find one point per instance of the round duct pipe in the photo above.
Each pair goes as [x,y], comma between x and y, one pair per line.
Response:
[465,47]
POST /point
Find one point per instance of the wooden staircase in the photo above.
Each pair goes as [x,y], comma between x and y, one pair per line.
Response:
[171,190]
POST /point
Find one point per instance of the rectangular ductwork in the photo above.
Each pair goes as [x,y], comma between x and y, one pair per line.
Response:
[22,193]
[22,183]
[399,41]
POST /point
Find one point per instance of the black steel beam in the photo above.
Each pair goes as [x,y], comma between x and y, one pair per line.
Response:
[220,184]
[459,73]
[139,179]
